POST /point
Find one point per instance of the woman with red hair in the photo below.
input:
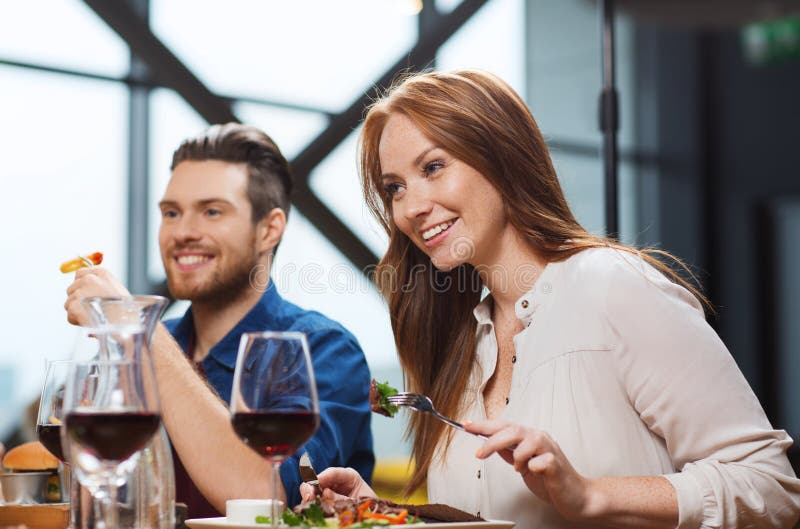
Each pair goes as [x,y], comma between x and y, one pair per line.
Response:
[606,397]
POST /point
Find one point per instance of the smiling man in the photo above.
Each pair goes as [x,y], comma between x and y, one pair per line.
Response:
[222,216]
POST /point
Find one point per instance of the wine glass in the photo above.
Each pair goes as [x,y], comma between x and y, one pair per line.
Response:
[50,417]
[111,412]
[274,405]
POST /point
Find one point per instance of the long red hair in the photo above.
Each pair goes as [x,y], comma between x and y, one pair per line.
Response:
[483,122]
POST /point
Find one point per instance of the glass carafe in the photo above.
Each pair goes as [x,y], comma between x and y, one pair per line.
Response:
[149,496]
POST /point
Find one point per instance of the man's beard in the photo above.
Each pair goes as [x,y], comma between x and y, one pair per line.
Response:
[224,288]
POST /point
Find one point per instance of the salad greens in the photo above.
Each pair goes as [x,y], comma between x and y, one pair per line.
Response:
[384,392]
[310,517]
[313,516]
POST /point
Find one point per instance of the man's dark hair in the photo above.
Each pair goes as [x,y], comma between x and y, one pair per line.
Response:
[269,183]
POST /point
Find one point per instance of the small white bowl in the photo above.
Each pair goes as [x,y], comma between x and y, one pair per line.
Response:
[245,511]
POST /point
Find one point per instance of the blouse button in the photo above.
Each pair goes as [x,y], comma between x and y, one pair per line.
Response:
[479,514]
[479,474]
[524,303]
[506,401]
[514,359]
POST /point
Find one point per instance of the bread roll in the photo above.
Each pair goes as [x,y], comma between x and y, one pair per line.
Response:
[29,456]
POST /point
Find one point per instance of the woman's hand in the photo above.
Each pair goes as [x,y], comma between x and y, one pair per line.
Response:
[337,482]
[541,463]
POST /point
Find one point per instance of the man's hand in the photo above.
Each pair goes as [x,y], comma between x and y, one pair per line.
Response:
[90,282]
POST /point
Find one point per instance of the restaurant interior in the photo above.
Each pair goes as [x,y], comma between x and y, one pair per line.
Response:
[704,162]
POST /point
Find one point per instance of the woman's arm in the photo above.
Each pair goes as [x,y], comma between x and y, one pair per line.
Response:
[686,387]
[647,502]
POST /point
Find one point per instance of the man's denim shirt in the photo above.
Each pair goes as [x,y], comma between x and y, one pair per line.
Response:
[344,438]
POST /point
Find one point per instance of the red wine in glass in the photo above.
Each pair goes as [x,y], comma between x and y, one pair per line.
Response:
[50,436]
[50,415]
[274,433]
[274,403]
[110,435]
[111,411]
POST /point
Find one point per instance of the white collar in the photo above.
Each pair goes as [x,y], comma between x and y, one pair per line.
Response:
[527,304]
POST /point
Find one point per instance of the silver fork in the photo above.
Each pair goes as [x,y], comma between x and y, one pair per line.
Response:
[423,404]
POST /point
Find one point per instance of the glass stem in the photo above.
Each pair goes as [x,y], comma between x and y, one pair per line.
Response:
[276,479]
[75,497]
[106,512]
[64,477]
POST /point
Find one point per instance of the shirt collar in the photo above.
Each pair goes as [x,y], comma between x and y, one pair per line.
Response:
[259,318]
[483,311]
[527,304]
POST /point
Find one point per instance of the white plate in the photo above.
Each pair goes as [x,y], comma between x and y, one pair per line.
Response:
[223,523]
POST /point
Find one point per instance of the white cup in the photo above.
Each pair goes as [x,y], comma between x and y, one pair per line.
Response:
[245,511]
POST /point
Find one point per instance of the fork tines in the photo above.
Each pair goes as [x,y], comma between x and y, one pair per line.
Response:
[394,399]
[403,399]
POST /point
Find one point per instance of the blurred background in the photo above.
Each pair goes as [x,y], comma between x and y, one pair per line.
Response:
[95,95]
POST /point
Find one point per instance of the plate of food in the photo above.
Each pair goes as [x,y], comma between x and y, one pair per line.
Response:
[361,513]
[222,523]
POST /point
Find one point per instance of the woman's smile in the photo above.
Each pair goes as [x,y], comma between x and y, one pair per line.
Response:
[437,233]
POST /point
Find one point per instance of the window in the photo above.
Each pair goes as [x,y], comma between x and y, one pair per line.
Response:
[64,163]
[564,82]
[62,34]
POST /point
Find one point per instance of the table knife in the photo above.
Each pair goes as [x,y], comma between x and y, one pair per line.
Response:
[307,473]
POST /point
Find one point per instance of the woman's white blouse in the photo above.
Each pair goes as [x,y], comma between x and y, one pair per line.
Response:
[619,366]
